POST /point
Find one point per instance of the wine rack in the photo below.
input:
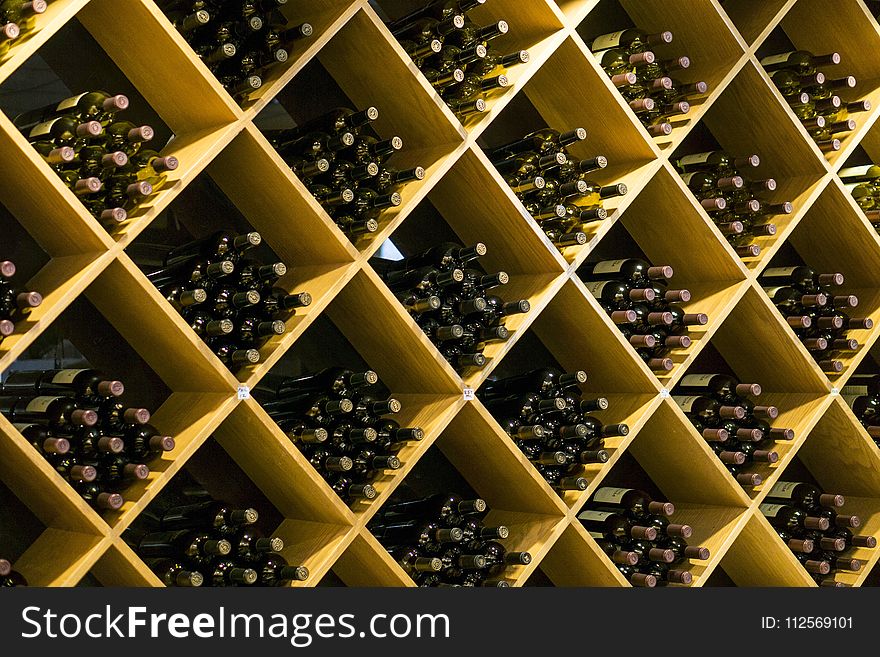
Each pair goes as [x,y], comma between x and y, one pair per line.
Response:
[58,540]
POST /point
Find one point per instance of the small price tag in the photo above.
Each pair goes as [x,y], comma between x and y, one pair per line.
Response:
[664,393]
[244,392]
[835,391]
[469,394]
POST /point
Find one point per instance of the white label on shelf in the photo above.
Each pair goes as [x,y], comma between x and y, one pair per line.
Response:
[775,59]
[851,390]
[611,40]
[598,516]
[596,288]
[39,404]
[834,391]
[42,129]
[779,271]
[696,380]
[849,172]
[771,510]
[610,495]
[664,393]
[66,376]
[244,392]
[696,158]
[783,489]
[468,394]
[608,267]
[69,103]
[686,402]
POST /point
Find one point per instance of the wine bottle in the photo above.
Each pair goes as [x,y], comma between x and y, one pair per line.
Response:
[274,570]
[215,515]
[635,271]
[74,382]
[635,502]
[57,412]
[804,495]
[174,573]
[632,40]
[790,518]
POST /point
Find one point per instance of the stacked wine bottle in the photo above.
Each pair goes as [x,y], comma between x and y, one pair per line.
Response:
[813,97]
[738,430]
[10,577]
[863,182]
[862,393]
[343,164]
[99,157]
[75,419]
[338,421]
[18,20]
[442,540]
[455,53]
[15,303]
[545,415]
[647,82]
[240,41]
[736,203]
[817,309]
[637,297]
[229,299]
[553,187]
[449,300]
[809,523]
[207,542]
[636,534]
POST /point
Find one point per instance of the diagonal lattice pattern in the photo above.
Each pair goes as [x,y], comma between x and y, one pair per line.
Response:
[72,256]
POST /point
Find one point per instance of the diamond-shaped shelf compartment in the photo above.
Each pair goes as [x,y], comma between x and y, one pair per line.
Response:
[755,19]
[341,76]
[700,31]
[325,18]
[866,152]
[44,26]
[850,31]
[45,539]
[573,334]
[188,117]
[364,329]
[611,130]
[52,256]
[834,237]
[473,458]
[745,119]
[840,458]
[788,377]
[162,373]
[669,463]
[245,467]
[665,226]
[320,265]
[533,26]
[468,206]
[870,366]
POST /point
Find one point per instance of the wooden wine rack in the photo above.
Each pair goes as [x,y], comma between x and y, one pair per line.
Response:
[564,84]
